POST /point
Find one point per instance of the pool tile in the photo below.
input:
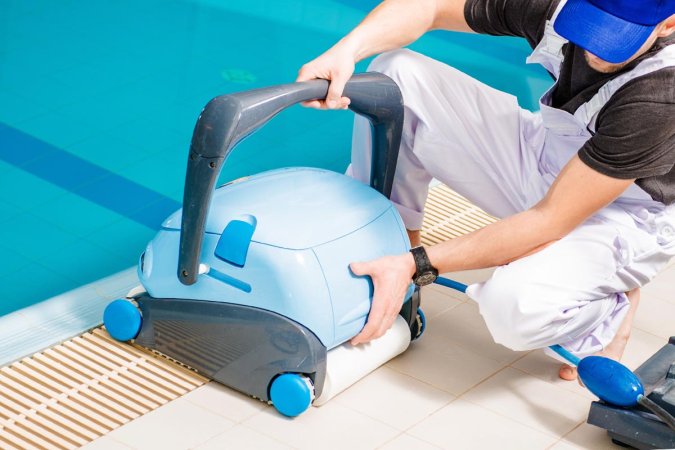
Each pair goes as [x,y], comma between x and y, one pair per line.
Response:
[538,364]
[106,443]
[641,346]
[150,138]
[163,173]
[16,108]
[450,368]
[19,148]
[242,437]
[225,401]
[662,287]
[30,285]
[123,238]
[26,191]
[49,93]
[166,428]
[405,441]
[30,235]
[436,300]
[464,425]
[465,327]
[11,261]
[332,426]
[132,199]
[413,402]
[586,436]
[76,215]
[59,129]
[531,401]
[655,316]
[8,211]
[107,151]
[84,262]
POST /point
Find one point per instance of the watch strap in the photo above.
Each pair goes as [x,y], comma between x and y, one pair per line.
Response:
[422,262]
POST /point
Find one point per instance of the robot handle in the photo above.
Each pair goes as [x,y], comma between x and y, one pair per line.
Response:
[228,119]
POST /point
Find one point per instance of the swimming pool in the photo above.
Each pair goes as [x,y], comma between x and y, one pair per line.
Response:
[98,101]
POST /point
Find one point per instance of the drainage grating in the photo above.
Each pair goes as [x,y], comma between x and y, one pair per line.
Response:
[448,215]
[70,394]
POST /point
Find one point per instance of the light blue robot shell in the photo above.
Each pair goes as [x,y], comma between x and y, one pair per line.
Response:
[309,225]
[295,208]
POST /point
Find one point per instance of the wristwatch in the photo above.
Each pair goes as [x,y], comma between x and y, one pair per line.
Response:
[425,273]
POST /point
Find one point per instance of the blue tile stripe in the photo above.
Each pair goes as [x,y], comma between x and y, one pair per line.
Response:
[94,183]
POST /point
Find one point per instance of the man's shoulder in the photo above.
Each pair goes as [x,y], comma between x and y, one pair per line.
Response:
[656,87]
[523,18]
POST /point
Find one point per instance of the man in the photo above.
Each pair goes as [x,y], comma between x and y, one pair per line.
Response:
[585,188]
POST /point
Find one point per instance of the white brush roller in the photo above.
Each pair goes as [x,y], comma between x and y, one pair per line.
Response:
[347,364]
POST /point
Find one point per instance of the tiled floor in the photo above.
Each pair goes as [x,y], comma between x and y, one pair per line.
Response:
[453,389]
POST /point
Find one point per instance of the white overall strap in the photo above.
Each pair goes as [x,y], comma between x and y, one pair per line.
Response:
[588,112]
[548,52]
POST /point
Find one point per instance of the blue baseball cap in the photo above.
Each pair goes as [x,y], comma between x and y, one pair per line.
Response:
[612,30]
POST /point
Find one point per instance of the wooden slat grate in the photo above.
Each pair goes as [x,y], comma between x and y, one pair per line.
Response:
[70,394]
[448,215]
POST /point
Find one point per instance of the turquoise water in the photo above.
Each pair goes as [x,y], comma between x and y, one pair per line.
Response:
[98,101]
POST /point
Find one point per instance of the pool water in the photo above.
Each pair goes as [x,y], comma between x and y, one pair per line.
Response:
[98,101]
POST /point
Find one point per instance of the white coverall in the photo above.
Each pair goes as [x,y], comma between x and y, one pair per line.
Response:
[479,142]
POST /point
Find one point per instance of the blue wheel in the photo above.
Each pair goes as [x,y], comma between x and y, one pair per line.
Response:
[291,394]
[421,324]
[122,320]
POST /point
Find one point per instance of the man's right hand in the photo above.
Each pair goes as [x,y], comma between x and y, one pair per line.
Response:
[335,65]
[392,24]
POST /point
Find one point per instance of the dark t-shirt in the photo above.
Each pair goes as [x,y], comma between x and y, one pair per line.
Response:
[635,131]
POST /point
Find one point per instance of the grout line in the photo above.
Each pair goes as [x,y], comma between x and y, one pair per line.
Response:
[551,384]
[514,420]
[265,435]
[117,441]
[664,337]
[390,440]
[510,418]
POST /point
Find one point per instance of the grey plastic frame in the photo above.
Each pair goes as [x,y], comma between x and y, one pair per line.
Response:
[228,119]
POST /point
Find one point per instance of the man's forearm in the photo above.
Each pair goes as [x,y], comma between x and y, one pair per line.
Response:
[576,194]
[397,23]
[496,244]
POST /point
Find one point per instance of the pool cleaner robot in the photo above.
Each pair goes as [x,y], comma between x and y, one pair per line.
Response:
[250,285]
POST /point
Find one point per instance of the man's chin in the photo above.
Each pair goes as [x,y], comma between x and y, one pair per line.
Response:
[600,65]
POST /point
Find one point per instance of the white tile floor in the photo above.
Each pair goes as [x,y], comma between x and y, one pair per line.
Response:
[453,389]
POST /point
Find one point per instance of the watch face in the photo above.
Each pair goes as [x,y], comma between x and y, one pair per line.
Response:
[425,278]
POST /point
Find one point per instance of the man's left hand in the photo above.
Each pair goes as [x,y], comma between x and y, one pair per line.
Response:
[391,277]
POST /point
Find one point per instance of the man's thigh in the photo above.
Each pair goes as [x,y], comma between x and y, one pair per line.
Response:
[471,137]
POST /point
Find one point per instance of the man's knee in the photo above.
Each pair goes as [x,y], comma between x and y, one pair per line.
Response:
[513,314]
[397,64]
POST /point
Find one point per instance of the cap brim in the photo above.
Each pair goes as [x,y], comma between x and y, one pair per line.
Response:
[608,37]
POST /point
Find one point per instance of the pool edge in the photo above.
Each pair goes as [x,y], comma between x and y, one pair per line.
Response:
[60,318]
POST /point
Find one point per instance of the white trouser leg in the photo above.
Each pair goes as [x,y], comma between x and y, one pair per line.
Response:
[467,135]
[572,292]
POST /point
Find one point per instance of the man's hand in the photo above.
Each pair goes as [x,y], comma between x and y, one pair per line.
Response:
[336,65]
[391,277]
[392,24]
